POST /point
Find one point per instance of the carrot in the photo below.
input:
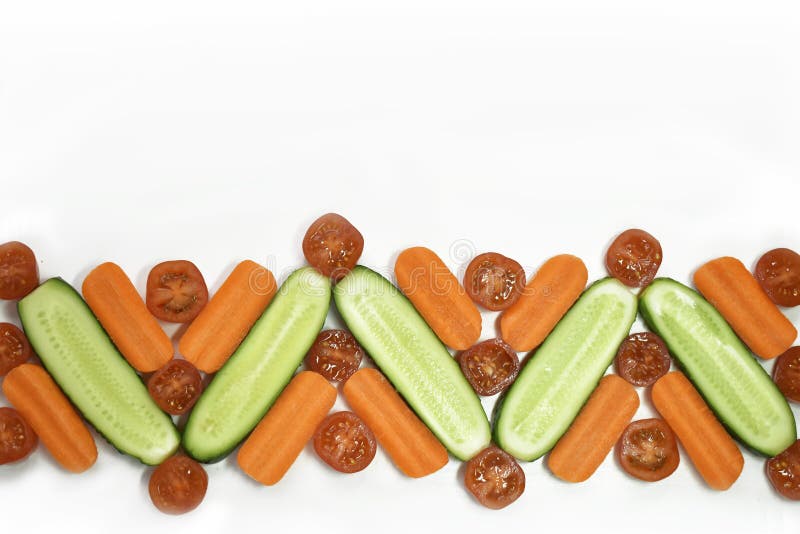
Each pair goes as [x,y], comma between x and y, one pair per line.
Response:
[408,442]
[712,451]
[222,325]
[545,300]
[438,296]
[736,294]
[592,435]
[122,312]
[62,431]
[279,438]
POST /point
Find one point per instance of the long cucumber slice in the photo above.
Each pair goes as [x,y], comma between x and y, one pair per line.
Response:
[250,381]
[723,370]
[414,360]
[563,372]
[84,362]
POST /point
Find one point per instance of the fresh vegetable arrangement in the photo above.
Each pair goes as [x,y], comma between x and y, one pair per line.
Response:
[411,366]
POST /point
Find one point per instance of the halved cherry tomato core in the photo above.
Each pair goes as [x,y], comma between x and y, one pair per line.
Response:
[494,281]
[176,291]
[778,272]
[335,355]
[332,245]
[178,485]
[14,348]
[783,471]
[642,358]
[648,450]
[490,366]
[176,386]
[19,273]
[786,373]
[17,438]
[344,442]
[634,258]
[494,477]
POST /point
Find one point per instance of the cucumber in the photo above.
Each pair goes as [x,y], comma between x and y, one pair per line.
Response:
[562,373]
[250,381]
[733,383]
[414,360]
[84,362]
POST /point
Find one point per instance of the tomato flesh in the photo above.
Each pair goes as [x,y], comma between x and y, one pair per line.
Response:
[176,386]
[642,359]
[783,472]
[634,258]
[490,366]
[335,354]
[778,272]
[19,273]
[176,291]
[333,246]
[648,450]
[494,477]
[786,373]
[14,348]
[17,438]
[178,485]
[494,281]
[344,442]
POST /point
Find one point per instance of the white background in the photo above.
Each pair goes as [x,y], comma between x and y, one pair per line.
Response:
[166,130]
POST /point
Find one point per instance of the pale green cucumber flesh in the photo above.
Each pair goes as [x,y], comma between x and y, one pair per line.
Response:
[84,362]
[244,389]
[414,360]
[559,377]
[733,383]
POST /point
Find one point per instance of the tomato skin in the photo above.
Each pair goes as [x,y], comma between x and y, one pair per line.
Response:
[778,272]
[642,358]
[17,438]
[19,272]
[335,354]
[332,245]
[494,477]
[344,442]
[634,258]
[494,281]
[178,485]
[786,373]
[176,386]
[490,366]
[14,348]
[176,291]
[783,472]
[648,450]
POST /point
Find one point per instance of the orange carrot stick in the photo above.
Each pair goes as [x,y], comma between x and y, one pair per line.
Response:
[592,435]
[120,309]
[438,296]
[222,325]
[545,300]
[406,439]
[279,438]
[712,451]
[736,294]
[62,431]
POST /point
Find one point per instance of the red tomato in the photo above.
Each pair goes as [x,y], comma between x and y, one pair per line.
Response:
[786,373]
[494,281]
[176,291]
[344,442]
[648,450]
[19,273]
[178,485]
[494,477]
[332,245]
[14,348]
[634,258]
[17,439]
[490,366]
[176,386]
[642,359]
[335,354]
[778,272]
[783,472]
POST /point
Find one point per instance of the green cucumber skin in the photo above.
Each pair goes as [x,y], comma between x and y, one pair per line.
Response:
[457,418]
[691,371]
[261,366]
[573,401]
[158,417]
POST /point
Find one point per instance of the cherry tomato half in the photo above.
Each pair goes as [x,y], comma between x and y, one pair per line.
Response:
[494,477]
[490,366]
[344,442]
[332,245]
[176,386]
[648,450]
[19,273]
[178,485]
[335,354]
[786,373]
[634,258]
[642,359]
[176,291]
[783,471]
[17,438]
[778,272]
[494,281]
[14,348]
